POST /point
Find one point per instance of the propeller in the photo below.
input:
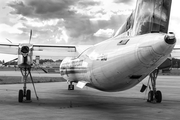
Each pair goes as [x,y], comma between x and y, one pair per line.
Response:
[43,70]
[30,36]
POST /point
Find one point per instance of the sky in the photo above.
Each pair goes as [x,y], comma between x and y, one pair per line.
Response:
[68,21]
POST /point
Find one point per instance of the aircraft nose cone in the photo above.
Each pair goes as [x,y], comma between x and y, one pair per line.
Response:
[170,38]
[165,46]
[156,49]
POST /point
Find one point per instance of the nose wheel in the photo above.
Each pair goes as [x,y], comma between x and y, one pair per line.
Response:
[23,95]
[154,95]
[70,86]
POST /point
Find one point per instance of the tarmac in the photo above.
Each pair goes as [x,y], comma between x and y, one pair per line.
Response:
[57,103]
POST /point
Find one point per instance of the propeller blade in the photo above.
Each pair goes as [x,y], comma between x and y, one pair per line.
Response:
[30,36]
[10,61]
[8,40]
[38,67]
[44,70]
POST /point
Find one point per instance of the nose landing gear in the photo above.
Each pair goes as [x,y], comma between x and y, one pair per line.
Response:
[26,94]
[154,95]
[71,86]
[26,71]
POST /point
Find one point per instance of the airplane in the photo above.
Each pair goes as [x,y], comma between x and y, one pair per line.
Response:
[137,50]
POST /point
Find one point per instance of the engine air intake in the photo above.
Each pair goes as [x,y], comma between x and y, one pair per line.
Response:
[25,49]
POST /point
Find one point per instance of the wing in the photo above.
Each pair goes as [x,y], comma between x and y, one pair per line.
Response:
[55,51]
[9,49]
[61,51]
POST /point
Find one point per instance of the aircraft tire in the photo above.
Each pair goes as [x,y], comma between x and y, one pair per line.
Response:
[28,95]
[20,98]
[158,96]
[71,87]
[150,96]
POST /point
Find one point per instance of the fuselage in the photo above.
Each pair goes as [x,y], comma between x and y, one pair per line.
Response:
[118,63]
[139,46]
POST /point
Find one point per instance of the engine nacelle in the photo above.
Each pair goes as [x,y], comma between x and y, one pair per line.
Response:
[25,55]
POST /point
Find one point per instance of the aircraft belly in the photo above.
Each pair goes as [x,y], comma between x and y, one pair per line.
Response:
[97,74]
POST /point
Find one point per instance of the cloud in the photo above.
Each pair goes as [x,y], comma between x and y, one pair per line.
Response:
[70,21]
[124,1]
[20,8]
[12,29]
[40,23]
[61,36]
[42,9]
[66,9]
[104,33]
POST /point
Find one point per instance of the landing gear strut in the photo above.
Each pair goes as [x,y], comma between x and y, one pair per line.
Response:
[23,92]
[71,86]
[154,95]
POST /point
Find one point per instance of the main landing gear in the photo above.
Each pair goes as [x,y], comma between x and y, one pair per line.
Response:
[23,93]
[71,86]
[154,95]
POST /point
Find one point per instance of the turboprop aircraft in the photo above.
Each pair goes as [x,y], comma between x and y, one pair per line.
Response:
[137,50]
